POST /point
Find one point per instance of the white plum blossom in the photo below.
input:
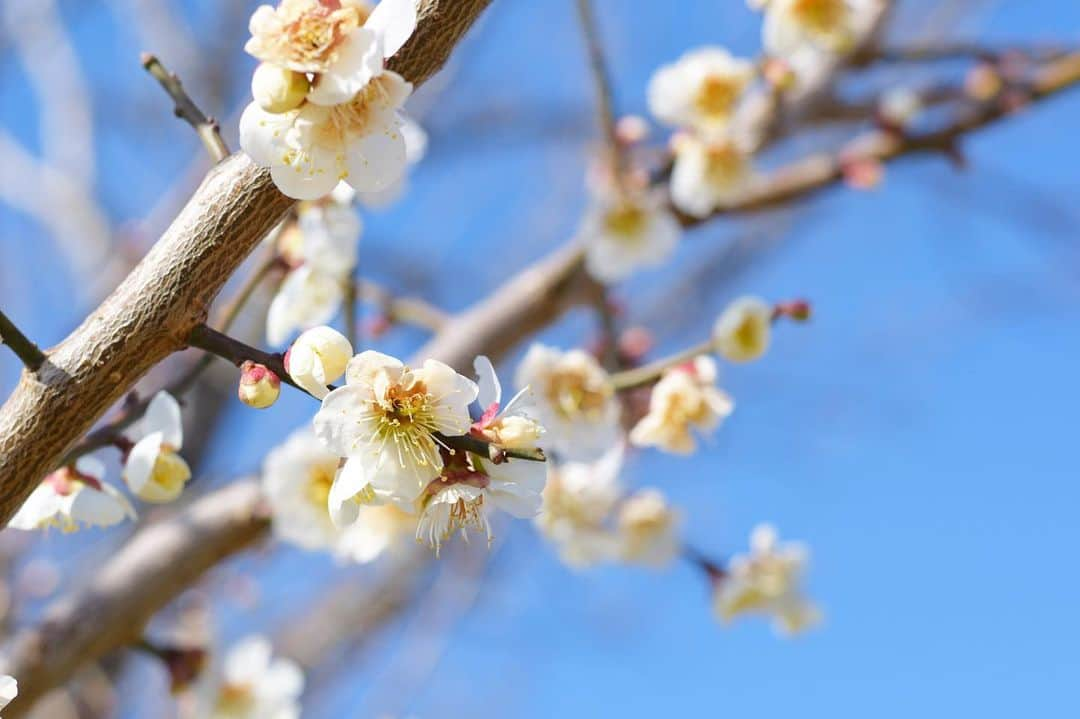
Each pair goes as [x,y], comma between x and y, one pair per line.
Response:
[9,689]
[73,496]
[702,90]
[310,149]
[710,174]
[579,499]
[296,479]
[256,685]
[321,248]
[317,358]
[469,488]
[685,398]
[623,232]
[382,422]
[767,581]
[153,470]
[508,426]
[744,329]
[648,529]
[573,399]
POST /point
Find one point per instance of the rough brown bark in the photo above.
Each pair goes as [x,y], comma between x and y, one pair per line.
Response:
[159,562]
[149,316]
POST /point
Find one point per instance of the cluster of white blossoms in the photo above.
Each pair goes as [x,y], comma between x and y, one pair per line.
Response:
[78,495]
[767,581]
[326,108]
[384,462]
[589,518]
[253,684]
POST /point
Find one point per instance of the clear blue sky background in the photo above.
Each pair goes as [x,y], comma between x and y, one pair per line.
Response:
[920,434]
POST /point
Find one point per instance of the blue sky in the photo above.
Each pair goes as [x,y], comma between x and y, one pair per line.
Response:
[919,434]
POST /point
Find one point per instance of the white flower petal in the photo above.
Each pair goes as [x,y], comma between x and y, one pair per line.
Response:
[377,160]
[360,58]
[262,134]
[395,22]
[163,415]
[489,389]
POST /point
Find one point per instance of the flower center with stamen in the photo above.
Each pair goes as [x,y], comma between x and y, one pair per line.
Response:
[627,221]
[405,416]
[716,97]
[825,18]
[725,166]
[572,395]
[235,700]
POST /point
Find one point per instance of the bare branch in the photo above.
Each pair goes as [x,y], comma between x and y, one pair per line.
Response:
[206,127]
[605,106]
[408,310]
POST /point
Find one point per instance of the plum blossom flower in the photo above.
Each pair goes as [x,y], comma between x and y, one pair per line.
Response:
[71,496]
[573,399]
[153,470]
[343,45]
[255,685]
[710,173]
[509,426]
[311,148]
[623,232]
[9,689]
[467,490]
[317,358]
[579,499]
[647,528]
[701,90]
[382,422]
[416,143]
[321,248]
[296,478]
[744,329]
[685,398]
[767,581]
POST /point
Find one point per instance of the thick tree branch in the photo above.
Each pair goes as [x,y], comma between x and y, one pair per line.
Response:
[154,310]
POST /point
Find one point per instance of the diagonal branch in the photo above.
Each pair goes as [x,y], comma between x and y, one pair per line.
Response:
[150,315]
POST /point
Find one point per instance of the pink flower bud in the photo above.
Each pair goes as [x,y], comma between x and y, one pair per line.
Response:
[259,386]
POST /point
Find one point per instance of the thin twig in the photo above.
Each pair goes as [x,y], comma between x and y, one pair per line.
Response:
[206,127]
[351,292]
[408,310]
[605,106]
[31,356]
[647,374]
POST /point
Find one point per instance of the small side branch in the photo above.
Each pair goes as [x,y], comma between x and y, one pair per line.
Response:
[605,107]
[222,345]
[28,352]
[186,109]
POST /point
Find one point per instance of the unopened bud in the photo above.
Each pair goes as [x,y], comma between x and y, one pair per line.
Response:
[983,83]
[899,107]
[278,89]
[797,310]
[259,386]
[864,173]
[744,329]
[317,358]
[778,73]
[514,432]
[631,129]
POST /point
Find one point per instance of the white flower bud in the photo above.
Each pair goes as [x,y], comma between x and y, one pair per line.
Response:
[278,89]
[259,386]
[317,358]
[515,431]
[742,332]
